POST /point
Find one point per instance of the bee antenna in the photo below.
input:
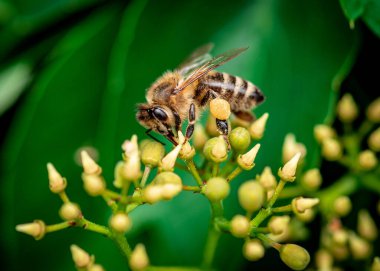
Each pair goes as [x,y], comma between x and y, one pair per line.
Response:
[152,137]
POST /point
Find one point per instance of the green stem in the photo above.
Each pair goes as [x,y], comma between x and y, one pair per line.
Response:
[58,226]
[234,174]
[122,243]
[276,194]
[193,170]
[292,192]
[215,169]
[268,241]
[283,209]
[145,176]
[371,182]
[91,226]
[191,188]
[64,197]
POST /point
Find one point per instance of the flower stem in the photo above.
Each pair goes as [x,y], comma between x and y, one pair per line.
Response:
[282,209]
[58,226]
[64,197]
[234,174]
[268,241]
[91,226]
[193,170]
[371,182]
[122,244]
[215,169]
[191,188]
[145,176]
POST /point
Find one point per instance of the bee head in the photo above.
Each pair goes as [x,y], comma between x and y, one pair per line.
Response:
[156,117]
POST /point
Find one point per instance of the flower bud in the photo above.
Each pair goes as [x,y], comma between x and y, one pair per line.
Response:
[120,222]
[306,216]
[153,193]
[220,109]
[322,132]
[366,226]
[253,250]
[57,183]
[130,147]
[278,224]
[131,170]
[331,149]
[139,259]
[171,184]
[312,179]
[89,165]
[251,196]
[301,204]
[168,162]
[211,128]
[240,139]
[35,229]
[69,211]
[96,267]
[347,109]
[324,260]
[187,152]
[291,147]
[151,153]
[267,179]
[294,256]
[199,137]
[340,237]
[288,171]
[257,128]
[360,248]
[340,252]
[216,189]
[215,149]
[374,140]
[118,182]
[80,257]
[240,226]
[342,206]
[367,160]
[376,264]
[93,184]
[246,161]
[373,111]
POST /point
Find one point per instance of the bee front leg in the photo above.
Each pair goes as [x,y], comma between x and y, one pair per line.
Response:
[190,126]
[222,126]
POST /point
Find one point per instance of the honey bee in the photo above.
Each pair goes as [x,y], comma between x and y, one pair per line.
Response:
[185,92]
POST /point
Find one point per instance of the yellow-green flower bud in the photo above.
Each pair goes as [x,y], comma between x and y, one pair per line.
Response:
[246,161]
[342,206]
[340,237]
[151,153]
[307,216]
[152,193]
[211,128]
[80,257]
[294,256]
[253,250]
[131,170]
[35,229]
[373,111]
[187,152]
[220,109]
[57,183]
[366,226]
[288,171]
[215,149]
[360,248]
[216,189]
[139,259]
[199,137]
[240,139]
[120,222]
[93,184]
[96,267]
[70,211]
[170,190]
[347,109]
[267,179]
[374,140]
[340,252]
[291,147]
[376,264]
[322,132]
[324,260]
[251,196]
[118,182]
[278,224]
[130,147]
[168,162]
[312,179]
[367,160]
[257,128]
[89,165]
[331,149]
[301,204]
[240,226]
[171,184]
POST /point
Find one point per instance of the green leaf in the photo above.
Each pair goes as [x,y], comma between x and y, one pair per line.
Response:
[372,16]
[353,9]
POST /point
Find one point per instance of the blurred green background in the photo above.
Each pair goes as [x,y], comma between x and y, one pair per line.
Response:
[71,73]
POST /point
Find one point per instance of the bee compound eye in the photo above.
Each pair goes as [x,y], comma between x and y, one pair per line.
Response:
[159,114]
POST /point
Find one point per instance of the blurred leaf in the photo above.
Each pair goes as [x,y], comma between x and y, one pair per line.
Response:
[12,82]
[372,16]
[353,9]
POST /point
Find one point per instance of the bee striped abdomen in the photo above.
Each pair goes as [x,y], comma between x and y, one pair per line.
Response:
[240,93]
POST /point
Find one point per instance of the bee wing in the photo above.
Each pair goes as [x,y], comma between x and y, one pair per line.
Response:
[209,66]
[197,58]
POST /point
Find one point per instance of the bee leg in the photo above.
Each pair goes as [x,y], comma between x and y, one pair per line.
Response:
[190,126]
[245,115]
[222,126]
